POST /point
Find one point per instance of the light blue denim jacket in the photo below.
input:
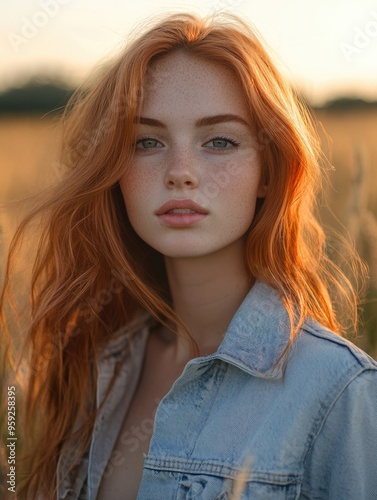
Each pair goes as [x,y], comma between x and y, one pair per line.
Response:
[305,428]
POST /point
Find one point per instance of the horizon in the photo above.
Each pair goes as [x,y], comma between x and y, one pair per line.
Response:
[57,84]
[326,50]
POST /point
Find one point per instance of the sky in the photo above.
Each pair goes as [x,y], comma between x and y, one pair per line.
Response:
[326,47]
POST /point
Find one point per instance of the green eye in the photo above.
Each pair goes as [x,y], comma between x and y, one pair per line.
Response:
[147,142]
[220,142]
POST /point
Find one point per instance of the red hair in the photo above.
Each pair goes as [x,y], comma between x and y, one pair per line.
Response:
[93,274]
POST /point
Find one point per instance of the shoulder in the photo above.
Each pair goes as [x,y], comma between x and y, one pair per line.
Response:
[325,364]
[341,459]
[330,348]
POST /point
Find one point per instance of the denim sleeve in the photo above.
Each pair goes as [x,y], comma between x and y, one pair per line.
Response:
[342,463]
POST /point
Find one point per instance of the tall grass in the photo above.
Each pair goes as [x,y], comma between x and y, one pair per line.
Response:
[361,223]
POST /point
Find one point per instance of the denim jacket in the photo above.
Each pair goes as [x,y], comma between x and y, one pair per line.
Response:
[303,428]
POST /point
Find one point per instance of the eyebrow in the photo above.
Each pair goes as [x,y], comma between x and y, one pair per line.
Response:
[202,122]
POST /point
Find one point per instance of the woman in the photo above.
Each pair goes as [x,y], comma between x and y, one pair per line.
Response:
[182,335]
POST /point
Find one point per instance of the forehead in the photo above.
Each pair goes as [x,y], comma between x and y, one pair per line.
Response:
[180,80]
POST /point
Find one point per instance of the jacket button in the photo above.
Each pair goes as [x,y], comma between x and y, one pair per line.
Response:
[197,488]
[192,488]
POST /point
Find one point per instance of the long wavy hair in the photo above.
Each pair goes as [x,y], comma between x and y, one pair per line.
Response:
[92,274]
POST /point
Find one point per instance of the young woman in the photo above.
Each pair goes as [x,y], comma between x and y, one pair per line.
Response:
[183,341]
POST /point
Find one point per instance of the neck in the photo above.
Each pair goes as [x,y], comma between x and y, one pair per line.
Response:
[206,293]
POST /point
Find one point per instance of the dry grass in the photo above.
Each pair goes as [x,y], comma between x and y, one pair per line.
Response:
[28,146]
[352,197]
[27,149]
[344,134]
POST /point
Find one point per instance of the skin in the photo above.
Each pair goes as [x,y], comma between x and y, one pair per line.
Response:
[204,261]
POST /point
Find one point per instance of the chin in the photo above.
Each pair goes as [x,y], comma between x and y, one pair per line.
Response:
[186,253]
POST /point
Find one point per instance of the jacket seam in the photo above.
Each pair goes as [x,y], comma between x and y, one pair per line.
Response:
[314,435]
[363,359]
[213,468]
[221,369]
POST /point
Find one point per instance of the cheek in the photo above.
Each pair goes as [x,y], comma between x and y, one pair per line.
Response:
[240,201]
[135,186]
[243,191]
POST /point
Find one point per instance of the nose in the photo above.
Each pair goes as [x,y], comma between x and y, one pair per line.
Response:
[181,172]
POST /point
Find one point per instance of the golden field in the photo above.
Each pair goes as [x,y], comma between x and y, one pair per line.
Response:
[28,147]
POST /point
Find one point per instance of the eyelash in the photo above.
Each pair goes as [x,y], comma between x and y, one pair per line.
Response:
[233,142]
[222,138]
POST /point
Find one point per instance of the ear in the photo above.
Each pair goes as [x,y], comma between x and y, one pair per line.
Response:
[262,188]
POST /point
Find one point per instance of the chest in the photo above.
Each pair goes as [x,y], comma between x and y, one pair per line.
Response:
[124,470]
[216,425]
[122,476]
[221,435]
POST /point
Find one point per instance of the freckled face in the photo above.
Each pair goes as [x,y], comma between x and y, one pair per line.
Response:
[215,165]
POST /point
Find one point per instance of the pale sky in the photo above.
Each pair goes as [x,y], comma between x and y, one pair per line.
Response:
[328,47]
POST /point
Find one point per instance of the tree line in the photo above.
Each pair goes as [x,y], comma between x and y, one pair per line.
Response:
[36,97]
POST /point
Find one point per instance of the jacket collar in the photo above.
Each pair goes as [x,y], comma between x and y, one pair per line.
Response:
[258,334]
[254,341]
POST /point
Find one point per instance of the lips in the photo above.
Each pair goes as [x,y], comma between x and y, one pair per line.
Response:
[180,213]
[183,206]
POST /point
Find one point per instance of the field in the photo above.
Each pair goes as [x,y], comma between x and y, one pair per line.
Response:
[28,147]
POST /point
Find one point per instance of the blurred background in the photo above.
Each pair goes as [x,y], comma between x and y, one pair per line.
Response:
[327,49]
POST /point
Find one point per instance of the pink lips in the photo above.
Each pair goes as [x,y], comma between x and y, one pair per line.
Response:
[171,212]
